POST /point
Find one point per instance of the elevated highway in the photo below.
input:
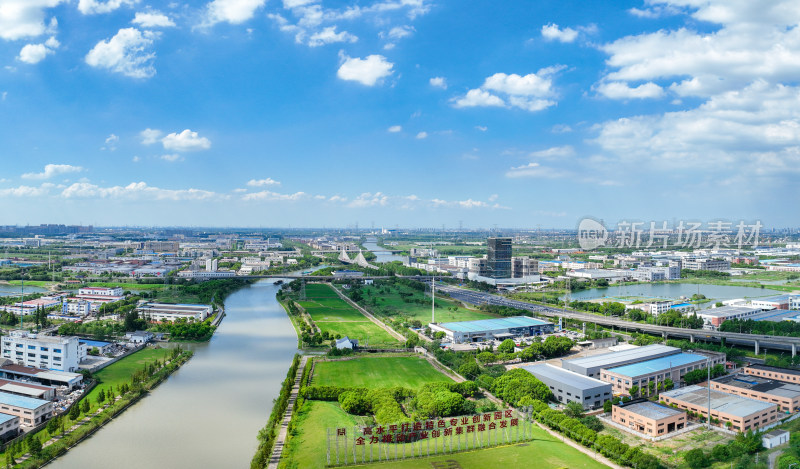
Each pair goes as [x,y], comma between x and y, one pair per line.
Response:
[756,341]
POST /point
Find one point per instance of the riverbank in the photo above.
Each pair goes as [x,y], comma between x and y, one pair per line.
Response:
[119,400]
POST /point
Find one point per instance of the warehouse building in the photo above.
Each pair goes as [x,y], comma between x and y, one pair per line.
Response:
[487,329]
[9,427]
[773,372]
[714,317]
[47,393]
[568,386]
[656,371]
[30,411]
[8,370]
[591,366]
[162,312]
[649,418]
[743,413]
[785,395]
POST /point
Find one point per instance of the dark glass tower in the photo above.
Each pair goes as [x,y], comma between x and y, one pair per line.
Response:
[499,257]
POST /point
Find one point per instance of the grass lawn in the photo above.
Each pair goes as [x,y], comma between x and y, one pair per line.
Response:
[386,300]
[543,452]
[307,446]
[331,313]
[120,372]
[410,372]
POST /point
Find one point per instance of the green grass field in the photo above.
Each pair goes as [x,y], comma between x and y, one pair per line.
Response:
[307,447]
[331,313]
[120,372]
[386,300]
[410,372]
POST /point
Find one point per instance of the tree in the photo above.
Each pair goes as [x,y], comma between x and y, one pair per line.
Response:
[85,406]
[52,425]
[101,396]
[573,410]
[607,406]
[634,391]
[34,446]
[469,370]
[507,346]
[74,412]
[696,458]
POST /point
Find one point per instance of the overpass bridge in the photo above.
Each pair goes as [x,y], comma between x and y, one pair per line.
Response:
[756,341]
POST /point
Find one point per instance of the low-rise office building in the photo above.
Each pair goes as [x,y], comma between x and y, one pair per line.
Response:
[487,329]
[785,395]
[656,371]
[30,411]
[649,418]
[160,312]
[568,386]
[735,412]
[51,352]
[591,366]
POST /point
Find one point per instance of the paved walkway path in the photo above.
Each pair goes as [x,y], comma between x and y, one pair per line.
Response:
[369,316]
[280,440]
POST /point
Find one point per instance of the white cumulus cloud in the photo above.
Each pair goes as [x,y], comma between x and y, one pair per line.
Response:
[92,7]
[621,90]
[150,136]
[152,19]
[25,18]
[329,36]
[530,92]
[395,128]
[368,71]
[263,182]
[185,141]
[422,135]
[552,32]
[128,53]
[438,82]
[52,170]
[231,11]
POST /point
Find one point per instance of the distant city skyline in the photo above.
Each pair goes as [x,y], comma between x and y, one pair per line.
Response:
[403,113]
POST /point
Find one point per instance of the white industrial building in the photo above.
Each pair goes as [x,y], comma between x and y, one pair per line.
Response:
[99,291]
[161,312]
[47,352]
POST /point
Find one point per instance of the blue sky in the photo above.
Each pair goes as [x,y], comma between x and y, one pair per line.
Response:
[398,112]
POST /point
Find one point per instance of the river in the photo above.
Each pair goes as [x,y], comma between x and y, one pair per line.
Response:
[381,254]
[673,291]
[208,413]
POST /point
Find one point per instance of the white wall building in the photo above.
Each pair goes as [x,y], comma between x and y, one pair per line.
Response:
[168,312]
[49,352]
[100,291]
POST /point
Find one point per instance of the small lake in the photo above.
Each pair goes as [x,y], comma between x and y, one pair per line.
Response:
[11,290]
[381,254]
[673,291]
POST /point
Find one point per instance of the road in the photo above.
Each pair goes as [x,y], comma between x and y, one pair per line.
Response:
[758,341]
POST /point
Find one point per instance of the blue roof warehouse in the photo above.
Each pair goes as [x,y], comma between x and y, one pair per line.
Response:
[487,329]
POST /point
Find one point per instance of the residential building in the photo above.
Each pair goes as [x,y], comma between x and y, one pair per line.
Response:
[591,366]
[161,312]
[656,371]
[49,352]
[524,267]
[785,395]
[30,411]
[498,257]
[487,329]
[649,418]
[568,386]
[737,413]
